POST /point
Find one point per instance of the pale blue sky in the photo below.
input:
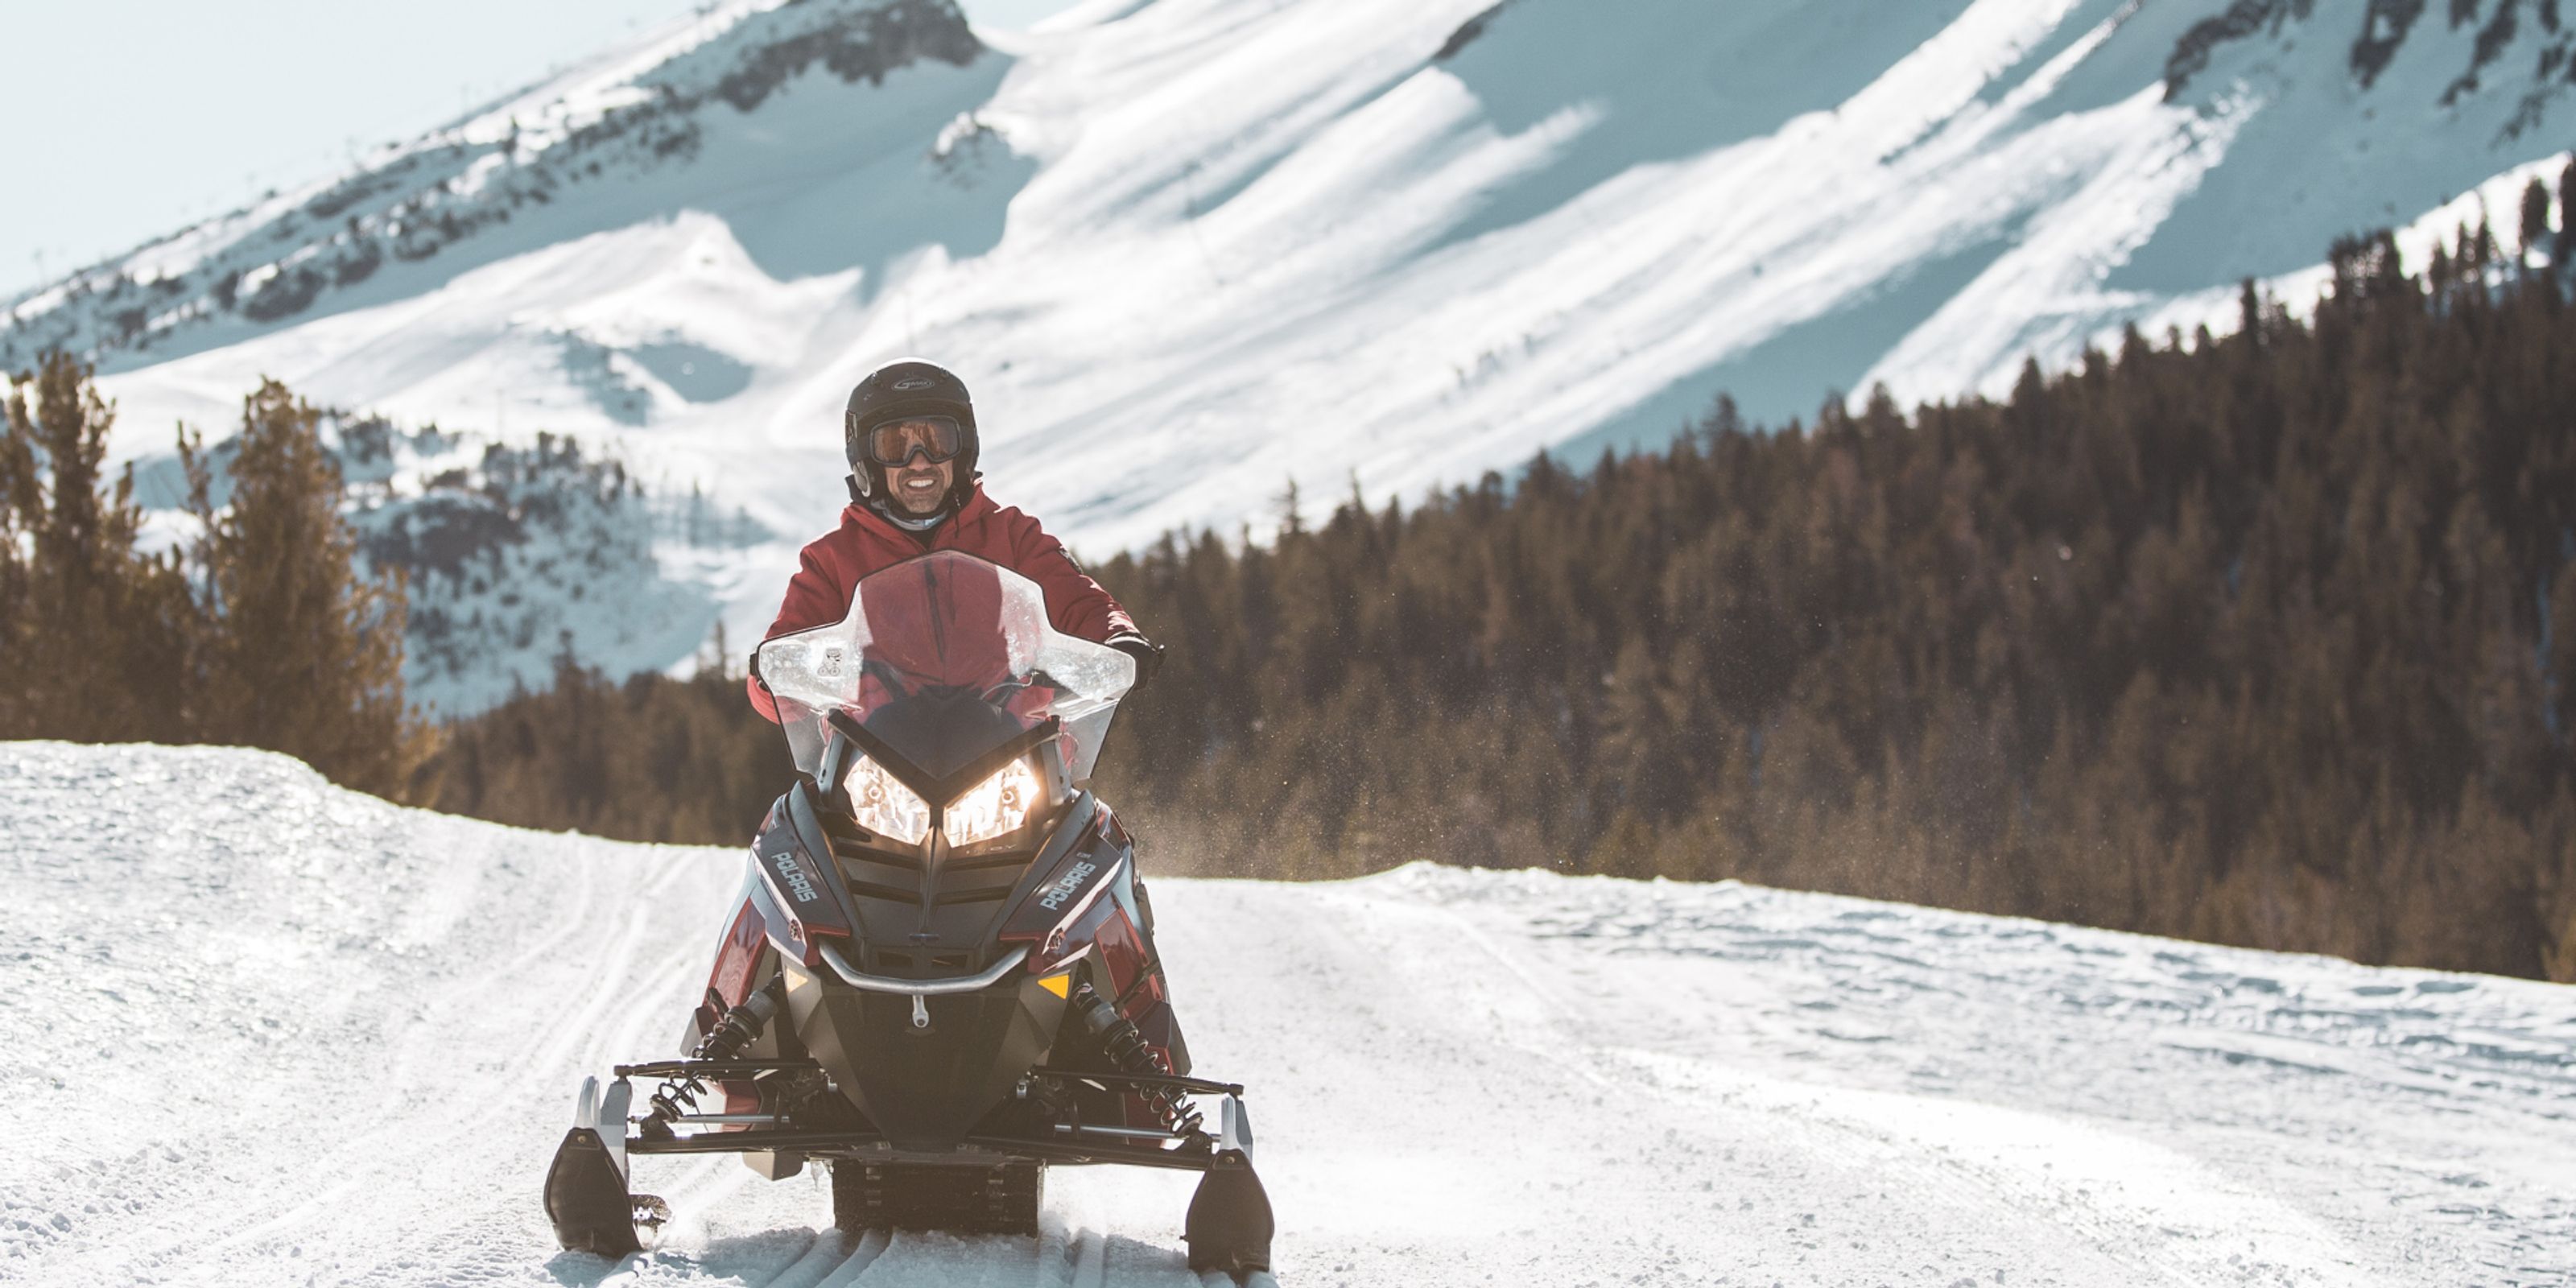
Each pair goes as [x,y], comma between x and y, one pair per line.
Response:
[131,118]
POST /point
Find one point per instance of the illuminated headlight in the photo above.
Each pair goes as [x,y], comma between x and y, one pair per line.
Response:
[885,806]
[998,804]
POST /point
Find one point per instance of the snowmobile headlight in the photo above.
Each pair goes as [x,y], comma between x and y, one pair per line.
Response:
[885,806]
[998,804]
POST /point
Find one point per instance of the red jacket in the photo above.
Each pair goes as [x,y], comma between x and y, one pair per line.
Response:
[819,594]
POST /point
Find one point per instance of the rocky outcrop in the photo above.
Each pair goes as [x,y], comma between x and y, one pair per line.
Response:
[2385,27]
[447,188]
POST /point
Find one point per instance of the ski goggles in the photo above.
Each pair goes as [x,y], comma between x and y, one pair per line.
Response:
[896,442]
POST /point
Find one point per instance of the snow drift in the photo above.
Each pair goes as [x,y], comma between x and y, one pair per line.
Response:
[259,1030]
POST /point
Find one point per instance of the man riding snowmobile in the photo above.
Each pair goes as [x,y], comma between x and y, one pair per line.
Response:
[909,435]
[940,978]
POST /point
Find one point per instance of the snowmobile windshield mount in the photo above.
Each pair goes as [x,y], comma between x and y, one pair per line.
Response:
[946,630]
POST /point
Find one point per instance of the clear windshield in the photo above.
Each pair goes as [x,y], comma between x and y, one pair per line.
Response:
[946,623]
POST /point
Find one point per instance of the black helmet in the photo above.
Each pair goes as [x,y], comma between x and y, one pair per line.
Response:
[905,387]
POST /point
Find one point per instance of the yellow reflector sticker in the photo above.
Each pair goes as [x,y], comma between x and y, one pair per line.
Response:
[1060,985]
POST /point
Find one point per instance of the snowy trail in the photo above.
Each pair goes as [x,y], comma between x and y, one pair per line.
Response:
[254,1030]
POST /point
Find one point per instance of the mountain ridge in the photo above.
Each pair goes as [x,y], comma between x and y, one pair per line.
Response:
[1187,250]
[755,49]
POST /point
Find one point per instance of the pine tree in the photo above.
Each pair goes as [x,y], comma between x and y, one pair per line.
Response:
[302,654]
[2563,251]
[94,631]
[2535,220]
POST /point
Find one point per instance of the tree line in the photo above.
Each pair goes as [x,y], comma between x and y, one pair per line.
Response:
[2266,639]
[252,627]
[651,758]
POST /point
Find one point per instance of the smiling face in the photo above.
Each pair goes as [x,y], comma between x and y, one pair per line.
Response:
[919,458]
[920,487]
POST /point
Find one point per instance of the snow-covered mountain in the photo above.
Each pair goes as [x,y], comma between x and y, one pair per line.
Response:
[1187,250]
[255,1030]
[518,554]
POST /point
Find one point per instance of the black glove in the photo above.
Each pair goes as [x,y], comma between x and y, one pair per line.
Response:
[1148,655]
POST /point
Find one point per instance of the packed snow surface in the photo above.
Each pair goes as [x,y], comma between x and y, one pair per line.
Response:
[255,1030]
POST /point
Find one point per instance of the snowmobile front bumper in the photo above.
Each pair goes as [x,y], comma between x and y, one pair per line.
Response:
[1066,1146]
[1229,1226]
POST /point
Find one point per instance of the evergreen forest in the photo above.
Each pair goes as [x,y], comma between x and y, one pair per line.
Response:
[2266,639]
[255,628]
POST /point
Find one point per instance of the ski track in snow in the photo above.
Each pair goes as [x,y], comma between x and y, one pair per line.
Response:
[255,1030]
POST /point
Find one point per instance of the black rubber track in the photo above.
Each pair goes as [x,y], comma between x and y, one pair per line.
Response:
[967,1198]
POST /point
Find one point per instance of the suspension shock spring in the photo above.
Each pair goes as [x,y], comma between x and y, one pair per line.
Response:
[742,1025]
[1128,1050]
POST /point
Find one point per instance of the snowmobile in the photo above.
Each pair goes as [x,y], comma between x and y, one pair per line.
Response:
[940,978]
